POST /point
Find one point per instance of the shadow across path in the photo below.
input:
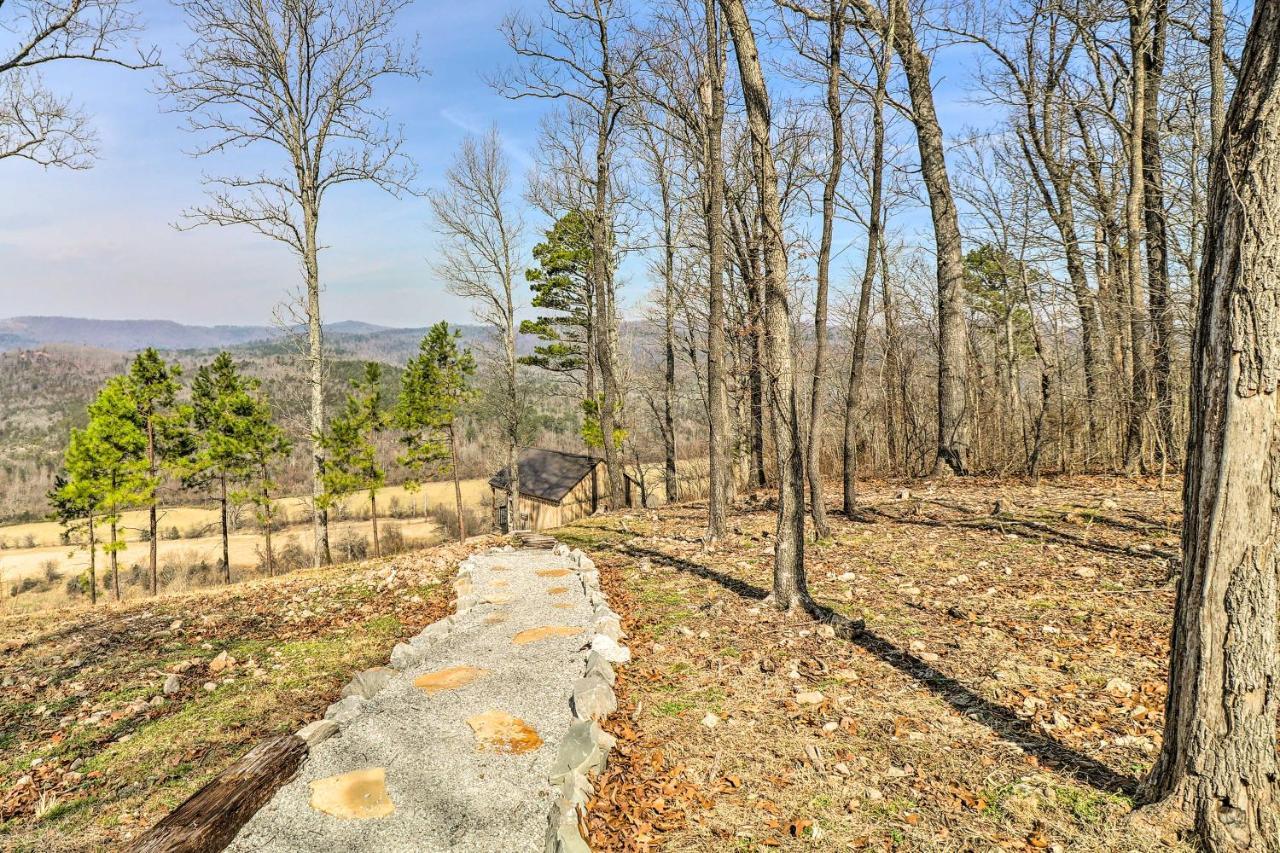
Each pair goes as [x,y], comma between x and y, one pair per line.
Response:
[997,718]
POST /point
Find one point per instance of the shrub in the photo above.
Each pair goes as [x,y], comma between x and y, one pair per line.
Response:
[352,546]
[50,569]
[391,538]
[171,532]
[29,541]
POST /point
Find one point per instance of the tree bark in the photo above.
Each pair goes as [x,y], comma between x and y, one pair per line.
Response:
[1135,213]
[267,521]
[457,486]
[953,353]
[1157,237]
[790,590]
[115,555]
[93,563]
[858,358]
[315,364]
[830,184]
[717,400]
[373,518]
[1219,757]
[151,508]
[226,535]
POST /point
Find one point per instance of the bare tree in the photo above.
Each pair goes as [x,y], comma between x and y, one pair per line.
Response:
[483,233]
[36,123]
[299,78]
[790,589]
[1219,759]
[576,53]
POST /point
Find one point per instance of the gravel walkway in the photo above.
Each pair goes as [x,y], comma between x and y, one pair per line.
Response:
[447,789]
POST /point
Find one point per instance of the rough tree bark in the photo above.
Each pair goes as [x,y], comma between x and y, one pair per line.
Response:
[953,335]
[1135,212]
[790,591]
[830,184]
[717,400]
[858,359]
[1157,237]
[1219,757]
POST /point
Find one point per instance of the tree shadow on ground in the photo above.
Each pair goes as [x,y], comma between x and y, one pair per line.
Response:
[998,719]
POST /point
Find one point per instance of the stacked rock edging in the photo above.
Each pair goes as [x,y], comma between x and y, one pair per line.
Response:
[368,683]
[585,748]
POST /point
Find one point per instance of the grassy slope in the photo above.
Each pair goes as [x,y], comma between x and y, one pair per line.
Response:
[979,711]
[68,679]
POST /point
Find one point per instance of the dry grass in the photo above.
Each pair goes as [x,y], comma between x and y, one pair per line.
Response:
[79,688]
[1007,692]
[245,548]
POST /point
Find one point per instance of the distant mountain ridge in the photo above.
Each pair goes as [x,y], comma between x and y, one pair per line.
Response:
[131,335]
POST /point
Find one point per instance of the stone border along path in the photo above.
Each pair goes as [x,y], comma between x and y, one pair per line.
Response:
[481,736]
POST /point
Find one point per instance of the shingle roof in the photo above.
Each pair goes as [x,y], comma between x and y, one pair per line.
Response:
[547,474]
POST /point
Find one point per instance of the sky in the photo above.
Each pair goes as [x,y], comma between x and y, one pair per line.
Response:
[102,243]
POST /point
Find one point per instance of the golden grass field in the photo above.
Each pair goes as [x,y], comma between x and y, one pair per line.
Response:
[18,561]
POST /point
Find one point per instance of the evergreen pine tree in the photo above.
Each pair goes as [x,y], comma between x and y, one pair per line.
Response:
[433,389]
[351,464]
[154,384]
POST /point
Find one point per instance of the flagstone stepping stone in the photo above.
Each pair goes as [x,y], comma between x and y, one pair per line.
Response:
[557,590]
[533,635]
[358,795]
[564,605]
[500,584]
[497,598]
[552,573]
[495,619]
[498,731]
[450,678]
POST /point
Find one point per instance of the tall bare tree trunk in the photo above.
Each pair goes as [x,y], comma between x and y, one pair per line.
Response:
[1139,17]
[790,591]
[315,363]
[717,399]
[1219,756]
[115,554]
[953,353]
[1217,79]
[1157,237]
[151,508]
[858,359]
[830,184]
[373,517]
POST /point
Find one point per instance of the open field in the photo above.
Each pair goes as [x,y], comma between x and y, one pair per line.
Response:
[92,750]
[1006,694]
[64,561]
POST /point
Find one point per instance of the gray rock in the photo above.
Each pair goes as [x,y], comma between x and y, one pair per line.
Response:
[561,550]
[318,730]
[609,649]
[597,665]
[610,627]
[593,698]
[172,685]
[585,564]
[367,684]
[583,750]
[345,710]
[404,656]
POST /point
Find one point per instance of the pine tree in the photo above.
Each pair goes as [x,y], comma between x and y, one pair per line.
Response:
[263,444]
[351,444]
[108,458]
[76,498]
[154,384]
[217,457]
[433,389]
[561,284]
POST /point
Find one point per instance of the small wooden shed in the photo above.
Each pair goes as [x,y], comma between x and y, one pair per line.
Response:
[555,488]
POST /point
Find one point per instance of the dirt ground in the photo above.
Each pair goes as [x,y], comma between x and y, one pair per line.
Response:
[93,751]
[1007,691]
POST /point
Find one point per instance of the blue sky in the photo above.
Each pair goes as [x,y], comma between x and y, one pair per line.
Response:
[101,243]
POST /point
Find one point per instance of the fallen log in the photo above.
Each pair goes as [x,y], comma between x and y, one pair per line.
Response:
[212,816]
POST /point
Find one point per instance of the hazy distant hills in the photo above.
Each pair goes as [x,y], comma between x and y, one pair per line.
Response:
[132,335]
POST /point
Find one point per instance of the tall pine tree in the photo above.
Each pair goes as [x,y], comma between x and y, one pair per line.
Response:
[433,389]
[351,464]
[155,387]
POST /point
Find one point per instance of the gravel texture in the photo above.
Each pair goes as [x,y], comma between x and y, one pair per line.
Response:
[448,793]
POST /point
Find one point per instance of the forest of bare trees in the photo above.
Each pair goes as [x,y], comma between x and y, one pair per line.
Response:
[813,241]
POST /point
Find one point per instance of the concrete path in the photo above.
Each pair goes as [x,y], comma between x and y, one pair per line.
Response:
[440,764]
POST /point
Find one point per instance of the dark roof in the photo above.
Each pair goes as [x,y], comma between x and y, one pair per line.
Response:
[547,474]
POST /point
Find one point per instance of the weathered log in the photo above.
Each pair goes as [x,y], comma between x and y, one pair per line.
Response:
[212,816]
